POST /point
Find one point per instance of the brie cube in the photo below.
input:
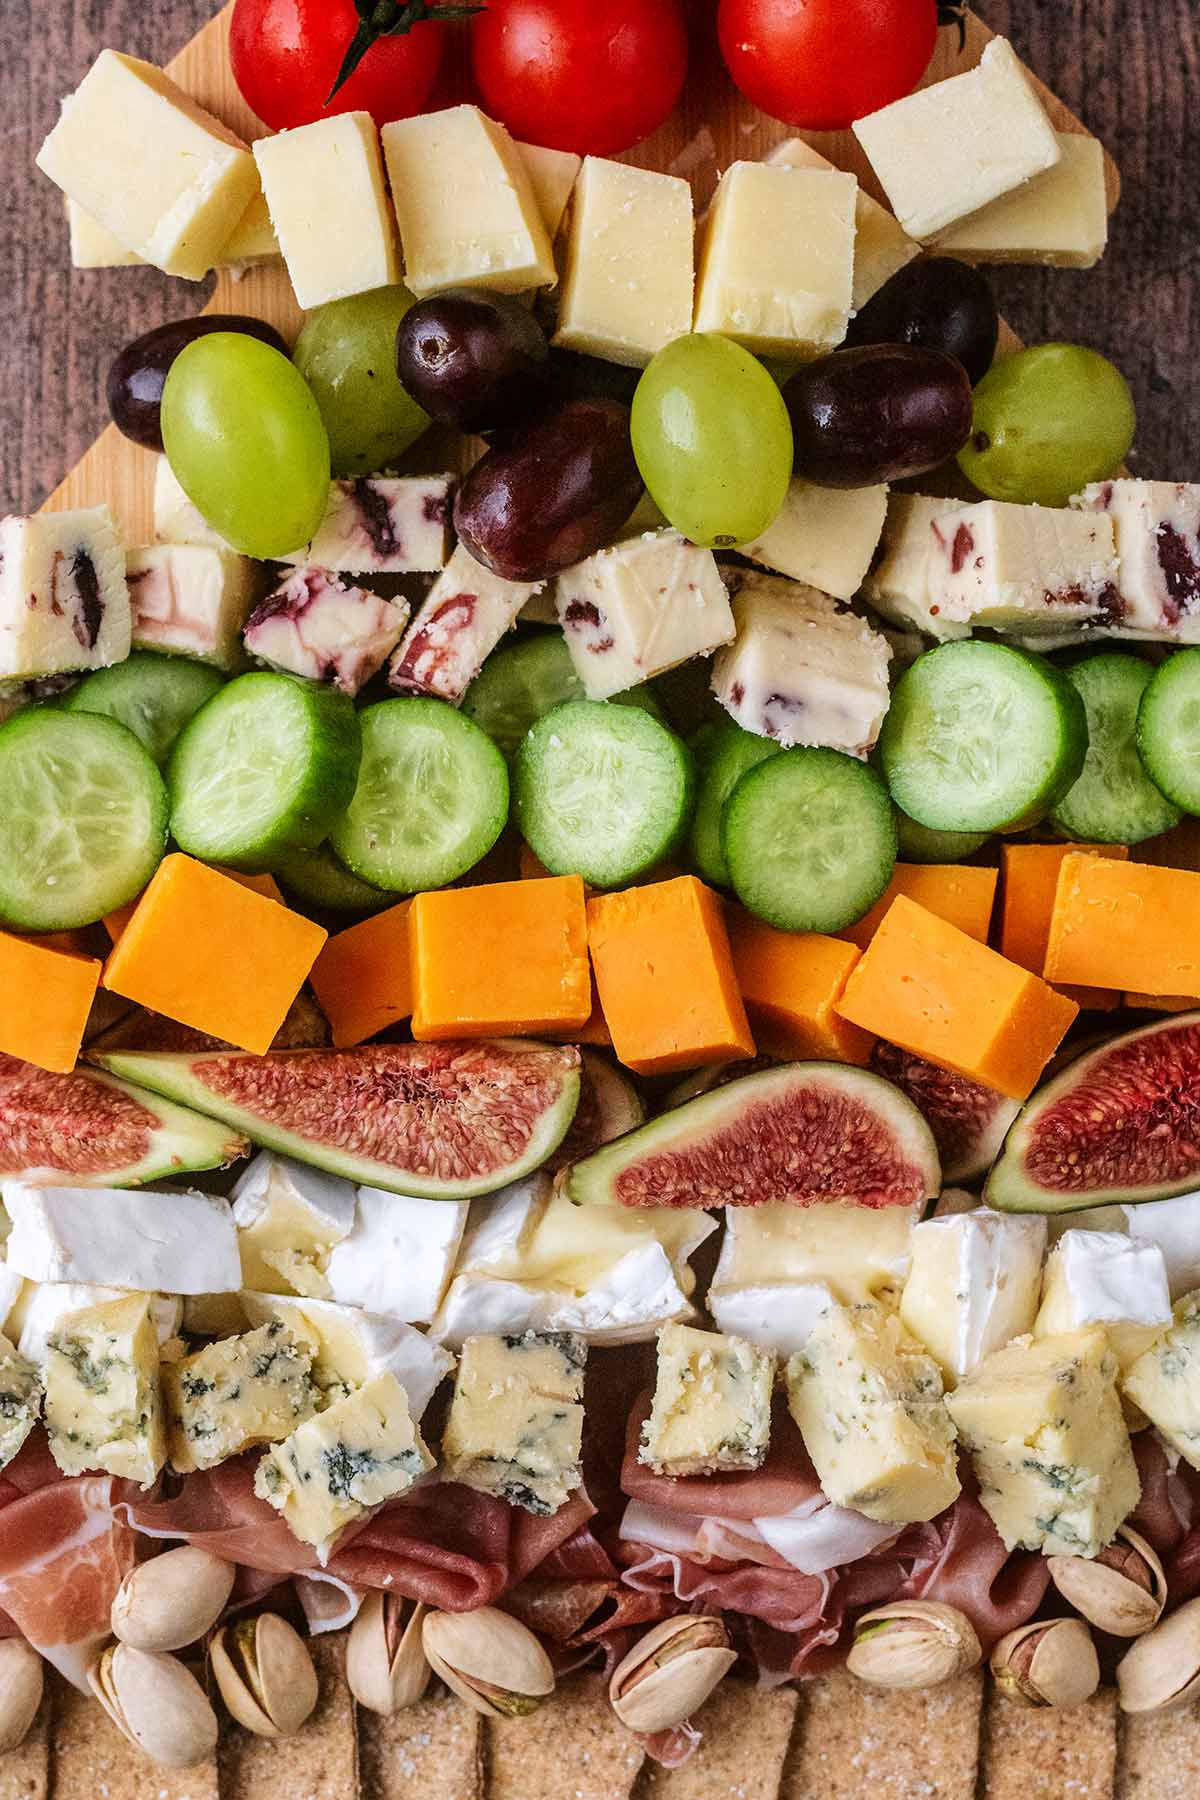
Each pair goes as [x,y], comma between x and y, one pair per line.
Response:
[43,1305]
[192,600]
[20,1400]
[461,620]
[176,519]
[328,203]
[552,175]
[801,669]
[823,537]
[1157,527]
[1060,218]
[323,629]
[288,1218]
[628,281]
[777,259]
[868,1403]
[881,246]
[103,1405]
[1173,1226]
[948,150]
[351,1348]
[1104,1278]
[640,608]
[338,1466]
[398,1257]
[1042,1419]
[515,1426]
[236,1394]
[64,605]
[92,247]
[1164,1381]
[466,204]
[1030,569]
[712,1404]
[904,585]
[181,1243]
[973,1286]
[383,525]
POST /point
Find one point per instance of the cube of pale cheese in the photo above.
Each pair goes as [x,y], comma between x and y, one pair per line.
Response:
[777,259]
[328,203]
[383,525]
[253,238]
[1059,218]
[627,286]
[948,150]
[824,537]
[179,1243]
[399,1255]
[236,1394]
[801,670]
[902,584]
[192,600]
[712,1404]
[552,174]
[881,245]
[1034,570]
[149,165]
[176,519]
[1042,1420]
[288,1218]
[466,204]
[103,1403]
[20,1400]
[461,620]
[515,1426]
[92,247]
[1164,1381]
[639,608]
[1104,1278]
[43,1305]
[64,602]
[1157,528]
[974,1285]
[325,630]
[351,1347]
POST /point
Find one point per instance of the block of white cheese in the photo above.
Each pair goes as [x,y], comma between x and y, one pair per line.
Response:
[103,1400]
[43,1304]
[1164,1381]
[179,1243]
[1157,528]
[824,537]
[325,630]
[20,1400]
[466,205]
[398,1257]
[1033,570]
[168,180]
[552,174]
[288,1218]
[974,1285]
[192,600]
[515,1425]
[881,245]
[64,602]
[253,238]
[712,1404]
[383,525]
[802,670]
[641,607]
[176,519]
[628,281]
[91,246]
[351,1347]
[461,620]
[948,150]
[1059,218]
[777,259]
[235,1394]
[1173,1226]
[1104,1278]
[901,585]
[329,206]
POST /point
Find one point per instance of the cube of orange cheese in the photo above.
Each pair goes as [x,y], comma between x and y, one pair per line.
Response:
[1125,925]
[931,989]
[1168,1003]
[959,893]
[363,976]
[508,959]
[212,953]
[45,998]
[664,970]
[791,982]
[1027,901]
[266,885]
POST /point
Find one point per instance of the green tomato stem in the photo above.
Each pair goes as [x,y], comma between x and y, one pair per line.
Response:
[388,18]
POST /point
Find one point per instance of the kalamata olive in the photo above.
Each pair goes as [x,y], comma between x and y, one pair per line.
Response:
[137,373]
[877,413]
[936,303]
[472,358]
[551,494]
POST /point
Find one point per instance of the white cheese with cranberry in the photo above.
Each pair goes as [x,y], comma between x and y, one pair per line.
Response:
[325,629]
[628,277]
[1157,527]
[192,600]
[904,583]
[973,1286]
[383,525]
[457,626]
[1104,1278]
[329,206]
[64,603]
[881,246]
[823,537]
[179,1243]
[1060,218]
[1032,570]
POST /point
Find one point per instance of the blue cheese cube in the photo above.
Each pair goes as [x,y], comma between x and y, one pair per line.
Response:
[712,1404]
[350,1347]
[20,1400]
[237,1393]
[64,602]
[515,1426]
[1165,1380]
[103,1404]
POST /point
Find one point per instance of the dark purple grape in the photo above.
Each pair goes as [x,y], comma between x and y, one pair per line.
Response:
[552,494]
[936,303]
[473,359]
[579,377]
[137,373]
[877,413]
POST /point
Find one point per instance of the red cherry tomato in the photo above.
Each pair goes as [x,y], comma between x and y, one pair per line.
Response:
[821,64]
[594,76]
[286,55]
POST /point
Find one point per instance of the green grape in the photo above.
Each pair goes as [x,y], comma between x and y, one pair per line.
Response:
[347,355]
[1047,422]
[712,439]
[244,438]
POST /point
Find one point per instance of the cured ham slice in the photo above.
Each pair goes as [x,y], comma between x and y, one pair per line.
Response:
[786,1478]
[63,1556]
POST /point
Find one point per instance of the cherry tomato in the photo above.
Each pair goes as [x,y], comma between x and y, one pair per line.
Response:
[286,55]
[821,64]
[594,76]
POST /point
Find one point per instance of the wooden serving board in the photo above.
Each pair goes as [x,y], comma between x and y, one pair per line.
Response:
[712,127]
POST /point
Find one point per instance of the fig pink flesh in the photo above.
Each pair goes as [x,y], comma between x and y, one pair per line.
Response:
[968,1120]
[72,1124]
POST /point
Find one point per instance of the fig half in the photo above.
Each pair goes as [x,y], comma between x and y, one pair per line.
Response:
[969,1121]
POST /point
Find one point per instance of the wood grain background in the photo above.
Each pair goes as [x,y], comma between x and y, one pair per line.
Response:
[1130,68]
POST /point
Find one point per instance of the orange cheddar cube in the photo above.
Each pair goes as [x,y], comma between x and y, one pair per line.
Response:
[933,990]
[266,885]
[1027,901]
[1125,925]
[1167,1003]
[791,982]
[363,976]
[207,950]
[959,893]
[664,970]
[45,998]
[505,960]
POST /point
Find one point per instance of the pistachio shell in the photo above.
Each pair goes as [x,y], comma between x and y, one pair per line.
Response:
[1122,1591]
[913,1644]
[670,1672]
[1162,1668]
[265,1675]
[1048,1662]
[172,1600]
[21,1684]
[386,1668]
[157,1703]
[488,1659]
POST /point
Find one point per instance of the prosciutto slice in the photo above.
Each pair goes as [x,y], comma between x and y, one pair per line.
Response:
[786,1478]
[63,1555]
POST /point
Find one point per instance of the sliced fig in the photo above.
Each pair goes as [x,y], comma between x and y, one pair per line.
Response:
[1118,1124]
[609,1106]
[100,1131]
[443,1121]
[802,1133]
[304,1028]
[969,1122]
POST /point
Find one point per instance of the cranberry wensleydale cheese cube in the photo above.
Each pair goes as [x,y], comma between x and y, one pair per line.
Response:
[1031,874]
[904,585]
[507,959]
[176,519]
[64,603]
[628,280]
[1125,925]
[881,245]
[383,525]
[461,620]
[319,627]
[1060,218]
[1031,569]
[824,537]
[791,982]
[45,998]
[329,205]
[960,894]
[363,976]
[192,600]
[1157,527]
[928,987]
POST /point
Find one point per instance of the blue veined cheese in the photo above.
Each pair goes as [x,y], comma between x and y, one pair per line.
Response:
[515,1426]
[20,1400]
[973,1285]
[103,1403]
[235,1394]
[869,1405]
[1042,1419]
[712,1403]
[1165,1380]
[350,1347]
[288,1219]
[1104,1278]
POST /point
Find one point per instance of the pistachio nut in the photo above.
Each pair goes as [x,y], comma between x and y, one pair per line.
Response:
[21,1684]
[172,1600]
[490,1660]
[1049,1662]
[386,1668]
[670,1672]
[265,1675]
[1121,1591]
[1163,1668]
[157,1703]
[913,1644]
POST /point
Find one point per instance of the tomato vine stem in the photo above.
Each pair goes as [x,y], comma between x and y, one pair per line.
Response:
[389,18]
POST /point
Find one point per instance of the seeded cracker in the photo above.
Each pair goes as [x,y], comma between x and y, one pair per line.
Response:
[852,1740]
[572,1748]
[1043,1754]
[90,1760]
[25,1772]
[319,1763]
[430,1751]
[744,1743]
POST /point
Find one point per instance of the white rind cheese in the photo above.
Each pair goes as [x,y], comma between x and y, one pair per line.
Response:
[236,1394]
[180,1243]
[712,1404]
[1164,1381]
[627,282]
[329,207]
[351,1347]
[103,1404]
[383,525]
[1105,1278]
[44,1304]
[1060,218]
[64,603]
[1157,528]
[881,245]
[823,537]
[974,1285]
[515,1426]
[459,623]
[192,600]
[288,1218]
[397,1259]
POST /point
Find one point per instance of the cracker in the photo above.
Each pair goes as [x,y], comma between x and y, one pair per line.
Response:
[745,1732]
[572,1748]
[318,1763]
[853,1740]
[1158,1755]
[1042,1753]
[430,1751]
[25,1771]
[91,1759]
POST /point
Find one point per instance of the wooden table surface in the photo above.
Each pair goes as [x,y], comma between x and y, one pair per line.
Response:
[1130,68]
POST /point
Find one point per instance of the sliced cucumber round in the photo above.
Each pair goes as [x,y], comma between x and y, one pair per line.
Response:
[724,757]
[1168,729]
[918,844]
[316,879]
[521,682]
[1114,801]
[154,695]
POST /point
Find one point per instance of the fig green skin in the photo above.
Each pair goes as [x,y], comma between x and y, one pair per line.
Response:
[969,1121]
[609,1106]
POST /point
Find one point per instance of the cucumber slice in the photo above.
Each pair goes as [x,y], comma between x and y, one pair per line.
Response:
[1114,801]
[318,880]
[918,844]
[725,755]
[519,685]
[431,800]
[265,768]
[83,823]
[810,839]
[153,695]
[982,737]
[1168,729]
[602,791]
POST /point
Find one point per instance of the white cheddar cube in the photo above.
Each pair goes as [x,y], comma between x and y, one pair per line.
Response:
[712,1404]
[1104,1278]
[777,259]
[974,1285]
[176,519]
[20,1400]
[383,525]
[253,238]
[552,174]
[824,537]
[192,600]
[289,1217]
[515,1426]
[92,247]
[948,150]
[628,282]
[329,207]
[64,602]
[235,1394]
[398,1257]
[461,620]
[325,630]
[149,165]
[180,1243]
[466,204]
[1060,218]
[1164,1381]
[902,584]
[881,245]
[1157,527]
[103,1402]
[351,1347]
[1029,569]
